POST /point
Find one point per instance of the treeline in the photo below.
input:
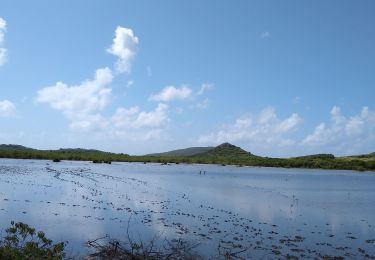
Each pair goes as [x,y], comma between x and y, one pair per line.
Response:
[317,161]
[312,163]
[72,155]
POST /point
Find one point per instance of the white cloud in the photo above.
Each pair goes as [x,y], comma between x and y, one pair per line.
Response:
[170,93]
[84,104]
[133,118]
[296,100]
[3,51]
[129,83]
[3,56]
[90,96]
[204,104]
[3,27]
[205,87]
[124,46]
[265,35]
[127,124]
[149,71]
[260,133]
[7,108]
[344,135]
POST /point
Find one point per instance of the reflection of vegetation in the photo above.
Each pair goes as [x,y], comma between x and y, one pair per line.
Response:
[225,154]
[22,242]
[106,248]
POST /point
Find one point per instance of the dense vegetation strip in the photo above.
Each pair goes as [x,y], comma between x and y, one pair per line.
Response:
[225,154]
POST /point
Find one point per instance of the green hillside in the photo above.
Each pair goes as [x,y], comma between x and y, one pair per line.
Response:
[223,154]
[183,152]
[225,150]
[14,147]
[317,156]
[369,155]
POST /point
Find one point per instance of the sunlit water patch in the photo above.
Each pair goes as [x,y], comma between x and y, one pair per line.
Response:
[260,212]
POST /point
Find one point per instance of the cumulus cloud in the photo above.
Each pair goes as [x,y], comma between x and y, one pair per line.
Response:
[124,47]
[258,132]
[84,104]
[267,134]
[133,118]
[170,93]
[344,134]
[88,97]
[126,124]
[7,108]
[3,51]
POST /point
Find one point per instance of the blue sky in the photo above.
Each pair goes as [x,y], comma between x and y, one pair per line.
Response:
[278,78]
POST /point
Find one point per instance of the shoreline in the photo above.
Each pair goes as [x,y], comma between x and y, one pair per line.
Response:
[176,161]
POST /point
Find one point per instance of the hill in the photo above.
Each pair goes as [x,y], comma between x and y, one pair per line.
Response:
[183,152]
[223,154]
[369,155]
[14,147]
[79,154]
[317,156]
[225,150]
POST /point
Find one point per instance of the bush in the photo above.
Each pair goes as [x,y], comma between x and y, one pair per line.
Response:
[23,242]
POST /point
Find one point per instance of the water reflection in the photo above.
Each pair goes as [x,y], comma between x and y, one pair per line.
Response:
[270,211]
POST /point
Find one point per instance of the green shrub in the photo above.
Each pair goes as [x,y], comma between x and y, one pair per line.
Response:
[23,242]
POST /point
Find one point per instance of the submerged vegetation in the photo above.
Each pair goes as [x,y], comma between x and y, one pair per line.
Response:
[224,154]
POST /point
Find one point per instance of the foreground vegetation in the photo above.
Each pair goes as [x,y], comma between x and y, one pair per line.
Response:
[23,242]
[225,154]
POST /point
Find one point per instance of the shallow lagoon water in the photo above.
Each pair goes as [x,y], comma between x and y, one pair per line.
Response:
[267,212]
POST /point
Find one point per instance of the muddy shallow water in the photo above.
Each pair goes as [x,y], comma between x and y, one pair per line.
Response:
[267,212]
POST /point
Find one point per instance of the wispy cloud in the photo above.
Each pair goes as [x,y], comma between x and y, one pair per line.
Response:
[7,108]
[265,35]
[171,93]
[3,51]
[203,104]
[129,83]
[205,87]
[149,71]
[124,47]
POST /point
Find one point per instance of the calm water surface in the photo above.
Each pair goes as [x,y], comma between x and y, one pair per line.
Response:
[269,212]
